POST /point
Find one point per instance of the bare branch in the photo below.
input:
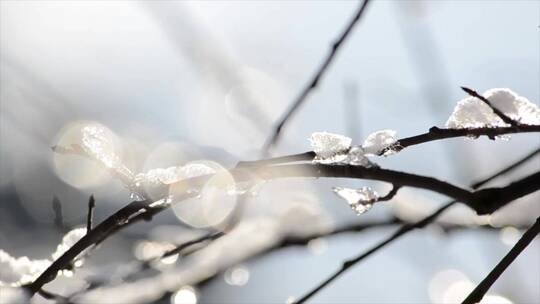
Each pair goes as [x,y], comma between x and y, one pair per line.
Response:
[90,216]
[434,134]
[508,169]
[58,217]
[403,230]
[498,112]
[141,210]
[273,138]
[478,293]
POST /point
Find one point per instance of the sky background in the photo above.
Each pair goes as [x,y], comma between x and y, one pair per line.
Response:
[184,81]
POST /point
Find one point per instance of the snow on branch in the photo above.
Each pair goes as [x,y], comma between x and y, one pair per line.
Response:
[498,107]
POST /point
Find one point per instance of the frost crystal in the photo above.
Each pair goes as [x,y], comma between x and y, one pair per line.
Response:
[360,200]
[329,147]
[376,142]
[99,144]
[471,112]
[357,157]
[172,175]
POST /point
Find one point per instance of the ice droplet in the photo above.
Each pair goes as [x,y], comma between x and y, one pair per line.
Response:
[360,200]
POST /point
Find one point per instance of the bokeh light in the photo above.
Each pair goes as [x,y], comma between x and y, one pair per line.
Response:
[214,202]
[185,295]
[237,276]
[76,169]
[509,235]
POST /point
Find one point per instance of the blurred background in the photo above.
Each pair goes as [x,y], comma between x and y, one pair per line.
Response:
[174,82]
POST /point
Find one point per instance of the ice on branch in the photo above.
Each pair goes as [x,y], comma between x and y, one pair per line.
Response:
[378,141]
[360,200]
[330,148]
[18,271]
[471,112]
[336,149]
[172,175]
[98,143]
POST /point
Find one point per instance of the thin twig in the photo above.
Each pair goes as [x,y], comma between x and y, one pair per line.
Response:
[433,134]
[58,217]
[508,169]
[390,194]
[273,138]
[90,216]
[52,296]
[349,263]
[498,112]
[404,230]
[478,293]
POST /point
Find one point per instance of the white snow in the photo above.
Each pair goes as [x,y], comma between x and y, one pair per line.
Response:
[22,270]
[376,142]
[471,112]
[330,147]
[360,200]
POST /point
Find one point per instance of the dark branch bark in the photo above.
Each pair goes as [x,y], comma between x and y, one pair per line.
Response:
[90,216]
[349,263]
[434,134]
[273,138]
[508,169]
[58,217]
[478,293]
[141,210]
[404,230]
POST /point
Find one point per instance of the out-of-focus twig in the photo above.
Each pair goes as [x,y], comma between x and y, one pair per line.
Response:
[90,217]
[58,217]
[274,136]
[404,230]
[478,293]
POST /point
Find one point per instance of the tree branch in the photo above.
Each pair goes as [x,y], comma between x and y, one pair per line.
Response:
[433,134]
[273,138]
[90,216]
[144,210]
[478,293]
[404,230]
[58,217]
